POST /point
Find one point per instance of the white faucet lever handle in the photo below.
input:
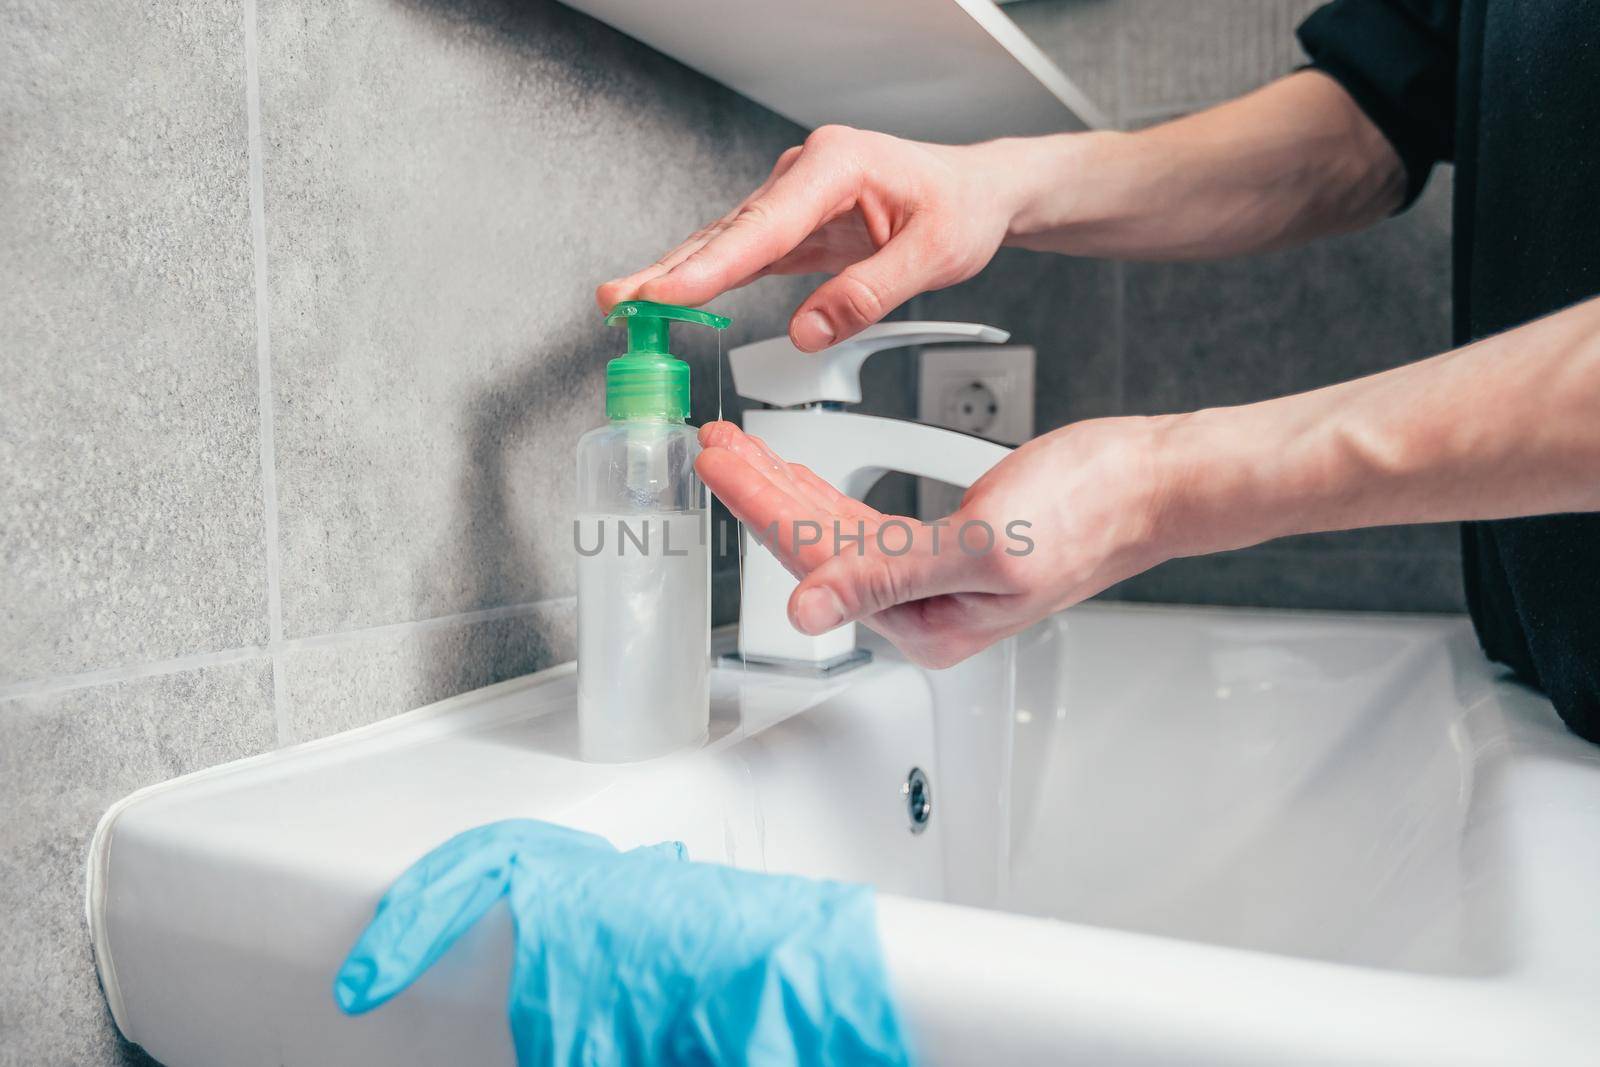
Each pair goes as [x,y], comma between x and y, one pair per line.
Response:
[775,372]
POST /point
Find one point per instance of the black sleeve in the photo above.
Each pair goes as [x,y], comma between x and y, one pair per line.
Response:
[1397,60]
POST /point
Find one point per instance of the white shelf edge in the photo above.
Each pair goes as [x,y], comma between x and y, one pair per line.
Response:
[999,25]
[940,70]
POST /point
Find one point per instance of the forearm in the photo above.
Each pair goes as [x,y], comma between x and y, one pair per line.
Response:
[1290,162]
[1506,427]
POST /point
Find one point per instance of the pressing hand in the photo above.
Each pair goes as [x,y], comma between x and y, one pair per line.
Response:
[889,218]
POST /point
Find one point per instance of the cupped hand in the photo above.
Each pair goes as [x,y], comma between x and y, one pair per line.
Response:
[888,218]
[1057,521]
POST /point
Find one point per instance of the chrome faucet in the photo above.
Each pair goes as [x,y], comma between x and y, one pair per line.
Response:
[806,425]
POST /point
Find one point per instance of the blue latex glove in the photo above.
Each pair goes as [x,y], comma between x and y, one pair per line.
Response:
[642,957]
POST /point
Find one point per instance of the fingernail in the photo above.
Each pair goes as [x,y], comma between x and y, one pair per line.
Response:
[819,610]
[814,331]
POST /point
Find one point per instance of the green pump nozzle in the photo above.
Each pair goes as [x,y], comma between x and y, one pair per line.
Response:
[649,382]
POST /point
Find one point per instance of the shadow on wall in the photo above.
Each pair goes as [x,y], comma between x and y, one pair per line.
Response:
[516,418]
[548,379]
[563,369]
[438,288]
[503,413]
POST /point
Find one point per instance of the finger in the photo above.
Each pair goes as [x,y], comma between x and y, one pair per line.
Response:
[701,237]
[934,632]
[800,479]
[722,433]
[624,288]
[613,292]
[627,287]
[803,260]
[687,247]
[829,497]
[758,452]
[815,189]
[794,478]
[781,520]
[849,587]
[753,451]
[937,631]
[864,292]
[714,433]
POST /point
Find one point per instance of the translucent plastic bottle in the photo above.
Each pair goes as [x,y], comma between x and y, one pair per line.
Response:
[642,543]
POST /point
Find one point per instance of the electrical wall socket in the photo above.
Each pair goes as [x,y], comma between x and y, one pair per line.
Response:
[984,390]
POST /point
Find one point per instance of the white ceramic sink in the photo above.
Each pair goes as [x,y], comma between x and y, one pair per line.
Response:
[1159,835]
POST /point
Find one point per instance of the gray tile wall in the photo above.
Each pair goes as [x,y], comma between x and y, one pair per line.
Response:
[1145,338]
[299,339]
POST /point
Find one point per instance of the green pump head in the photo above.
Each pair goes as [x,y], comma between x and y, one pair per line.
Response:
[649,382]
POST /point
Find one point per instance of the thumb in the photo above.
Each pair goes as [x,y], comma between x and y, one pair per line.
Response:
[866,291]
[855,586]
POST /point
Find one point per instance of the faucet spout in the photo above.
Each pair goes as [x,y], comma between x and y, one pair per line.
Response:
[853,451]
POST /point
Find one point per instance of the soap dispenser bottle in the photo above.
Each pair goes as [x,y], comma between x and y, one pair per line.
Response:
[644,557]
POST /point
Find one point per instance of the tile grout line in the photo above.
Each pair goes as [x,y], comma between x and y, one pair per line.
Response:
[1119,283]
[1119,336]
[134,672]
[179,664]
[1119,57]
[397,629]
[264,393]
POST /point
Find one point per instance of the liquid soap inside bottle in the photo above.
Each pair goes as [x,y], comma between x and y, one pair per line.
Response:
[643,548]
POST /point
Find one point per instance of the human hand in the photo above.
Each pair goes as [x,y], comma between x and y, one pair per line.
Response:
[1057,521]
[889,218]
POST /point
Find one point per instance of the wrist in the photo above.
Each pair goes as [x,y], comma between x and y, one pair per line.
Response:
[1228,478]
[1043,185]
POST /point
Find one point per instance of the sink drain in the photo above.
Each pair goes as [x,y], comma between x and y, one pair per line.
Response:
[919,799]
